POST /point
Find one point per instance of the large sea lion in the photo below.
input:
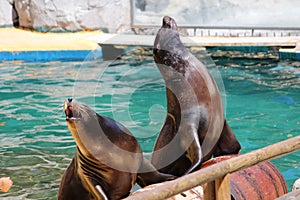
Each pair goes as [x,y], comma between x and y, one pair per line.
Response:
[108,159]
[195,127]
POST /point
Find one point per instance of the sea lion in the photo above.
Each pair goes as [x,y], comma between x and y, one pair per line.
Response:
[195,127]
[108,160]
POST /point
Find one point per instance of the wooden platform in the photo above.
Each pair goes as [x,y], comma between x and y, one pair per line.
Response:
[148,40]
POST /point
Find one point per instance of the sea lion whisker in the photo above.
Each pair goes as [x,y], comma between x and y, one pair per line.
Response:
[84,111]
[85,115]
[72,118]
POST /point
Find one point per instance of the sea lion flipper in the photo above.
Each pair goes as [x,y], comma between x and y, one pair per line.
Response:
[151,175]
[194,154]
[228,143]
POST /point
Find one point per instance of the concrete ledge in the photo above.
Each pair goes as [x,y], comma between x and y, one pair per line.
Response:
[12,39]
[148,40]
[16,44]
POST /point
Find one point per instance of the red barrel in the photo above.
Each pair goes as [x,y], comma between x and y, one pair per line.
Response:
[259,182]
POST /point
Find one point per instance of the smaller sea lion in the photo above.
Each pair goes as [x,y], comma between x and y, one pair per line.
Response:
[108,160]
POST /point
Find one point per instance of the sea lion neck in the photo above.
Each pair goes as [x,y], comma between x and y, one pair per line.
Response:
[74,131]
[173,105]
[168,40]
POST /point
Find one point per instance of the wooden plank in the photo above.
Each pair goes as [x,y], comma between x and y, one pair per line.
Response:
[222,188]
[218,189]
[184,183]
[148,40]
[209,191]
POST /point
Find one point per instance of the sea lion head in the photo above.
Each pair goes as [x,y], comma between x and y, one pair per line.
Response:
[169,23]
[82,122]
[167,35]
[169,53]
[94,134]
[77,111]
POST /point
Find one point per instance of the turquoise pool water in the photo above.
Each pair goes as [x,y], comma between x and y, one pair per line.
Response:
[263,107]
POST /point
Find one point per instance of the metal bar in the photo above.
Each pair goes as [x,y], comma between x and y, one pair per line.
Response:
[219,27]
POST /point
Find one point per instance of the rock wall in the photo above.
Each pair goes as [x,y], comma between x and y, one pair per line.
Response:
[6,13]
[68,15]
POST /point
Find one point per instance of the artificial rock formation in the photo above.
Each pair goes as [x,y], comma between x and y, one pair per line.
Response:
[6,13]
[68,15]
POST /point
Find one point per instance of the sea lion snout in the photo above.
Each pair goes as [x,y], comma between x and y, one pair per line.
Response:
[70,110]
[169,23]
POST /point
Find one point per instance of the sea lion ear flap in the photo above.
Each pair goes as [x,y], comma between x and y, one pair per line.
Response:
[228,143]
